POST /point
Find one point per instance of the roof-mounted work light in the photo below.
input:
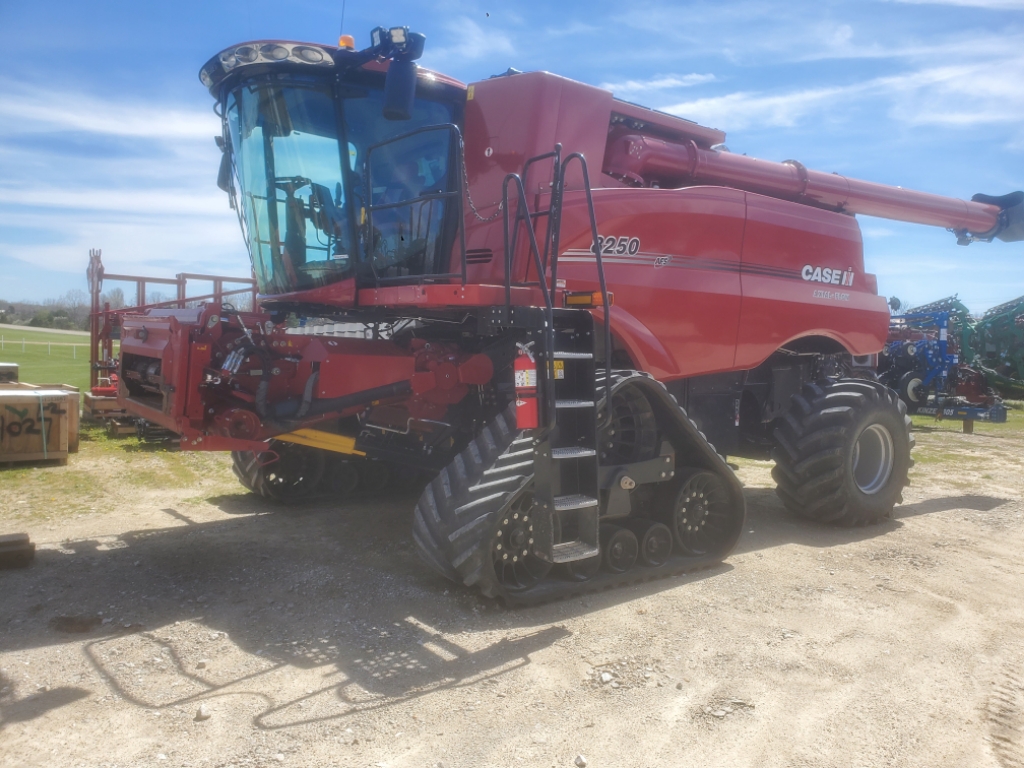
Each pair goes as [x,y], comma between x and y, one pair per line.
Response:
[403,48]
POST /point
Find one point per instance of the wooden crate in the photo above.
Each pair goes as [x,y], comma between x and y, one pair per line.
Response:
[34,423]
[74,405]
[8,372]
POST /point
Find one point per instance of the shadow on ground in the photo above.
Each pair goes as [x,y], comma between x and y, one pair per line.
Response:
[338,590]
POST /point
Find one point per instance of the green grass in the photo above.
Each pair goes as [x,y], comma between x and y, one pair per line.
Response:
[1014,422]
[107,473]
[59,363]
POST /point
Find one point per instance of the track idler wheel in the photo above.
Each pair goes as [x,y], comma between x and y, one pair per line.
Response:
[296,473]
[619,548]
[702,520]
[515,565]
[655,540]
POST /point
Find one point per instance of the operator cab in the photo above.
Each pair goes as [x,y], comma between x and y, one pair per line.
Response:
[331,187]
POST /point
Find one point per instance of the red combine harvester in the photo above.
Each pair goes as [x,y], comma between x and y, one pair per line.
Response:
[566,308]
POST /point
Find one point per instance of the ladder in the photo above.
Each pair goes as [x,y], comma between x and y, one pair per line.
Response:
[566,473]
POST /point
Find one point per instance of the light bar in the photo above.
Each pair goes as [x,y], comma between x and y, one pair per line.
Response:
[262,53]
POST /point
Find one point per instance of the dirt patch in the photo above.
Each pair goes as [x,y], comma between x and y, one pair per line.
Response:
[171,619]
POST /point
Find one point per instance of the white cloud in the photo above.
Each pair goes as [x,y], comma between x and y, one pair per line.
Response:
[744,109]
[469,41]
[962,95]
[135,178]
[23,110]
[658,83]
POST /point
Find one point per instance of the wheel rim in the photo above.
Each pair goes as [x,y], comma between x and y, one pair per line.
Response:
[913,390]
[515,565]
[702,514]
[873,459]
[656,545]
[620,550]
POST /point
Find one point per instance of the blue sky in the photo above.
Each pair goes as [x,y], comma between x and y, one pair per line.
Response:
[106,132]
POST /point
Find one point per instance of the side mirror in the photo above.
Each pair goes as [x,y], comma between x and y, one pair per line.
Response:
[224,174]
[400,90]
[400,82]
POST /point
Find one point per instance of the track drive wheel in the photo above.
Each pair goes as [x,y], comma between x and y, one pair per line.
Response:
[843,452]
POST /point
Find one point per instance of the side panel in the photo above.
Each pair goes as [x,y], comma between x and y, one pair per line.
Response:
[672,259]
[803,275]
[509,120]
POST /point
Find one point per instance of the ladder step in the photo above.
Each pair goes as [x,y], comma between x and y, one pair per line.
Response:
[574,403]
[569,551]
[573,501]
[572,453]
[573,355]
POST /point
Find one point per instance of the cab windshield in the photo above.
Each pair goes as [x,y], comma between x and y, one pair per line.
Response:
[300,153]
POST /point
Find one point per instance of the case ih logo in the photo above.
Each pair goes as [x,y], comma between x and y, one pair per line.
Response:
[828,275]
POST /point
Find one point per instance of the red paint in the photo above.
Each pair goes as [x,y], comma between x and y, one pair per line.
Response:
[642,159]
[716,261]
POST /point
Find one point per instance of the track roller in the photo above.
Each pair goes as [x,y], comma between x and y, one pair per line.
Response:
[619,548]
[655,540]
[341,478]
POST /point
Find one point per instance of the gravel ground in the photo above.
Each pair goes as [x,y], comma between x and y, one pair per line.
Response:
[182,622]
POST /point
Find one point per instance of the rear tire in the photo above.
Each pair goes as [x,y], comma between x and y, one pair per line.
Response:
[843,452]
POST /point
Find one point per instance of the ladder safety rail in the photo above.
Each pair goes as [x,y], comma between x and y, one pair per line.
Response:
[460,193]
[549,324]
[560,188]
[542,262]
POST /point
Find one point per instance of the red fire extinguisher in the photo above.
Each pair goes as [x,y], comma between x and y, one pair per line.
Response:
[526,389]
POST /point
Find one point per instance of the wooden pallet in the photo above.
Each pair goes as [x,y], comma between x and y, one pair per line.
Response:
[101,408]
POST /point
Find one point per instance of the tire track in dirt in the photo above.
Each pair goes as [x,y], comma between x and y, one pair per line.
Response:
[1005,715]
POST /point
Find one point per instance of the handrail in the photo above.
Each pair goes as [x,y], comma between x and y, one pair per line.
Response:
[560,188]
[551,244]
[549,324]
[460,193]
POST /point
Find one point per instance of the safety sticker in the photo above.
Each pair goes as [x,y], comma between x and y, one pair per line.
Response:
[526,378]
[559,369]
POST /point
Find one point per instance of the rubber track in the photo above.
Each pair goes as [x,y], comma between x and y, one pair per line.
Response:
[454,518]
[246,467]
[809,454]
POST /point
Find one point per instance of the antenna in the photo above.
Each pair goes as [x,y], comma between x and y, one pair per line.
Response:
[341,27]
